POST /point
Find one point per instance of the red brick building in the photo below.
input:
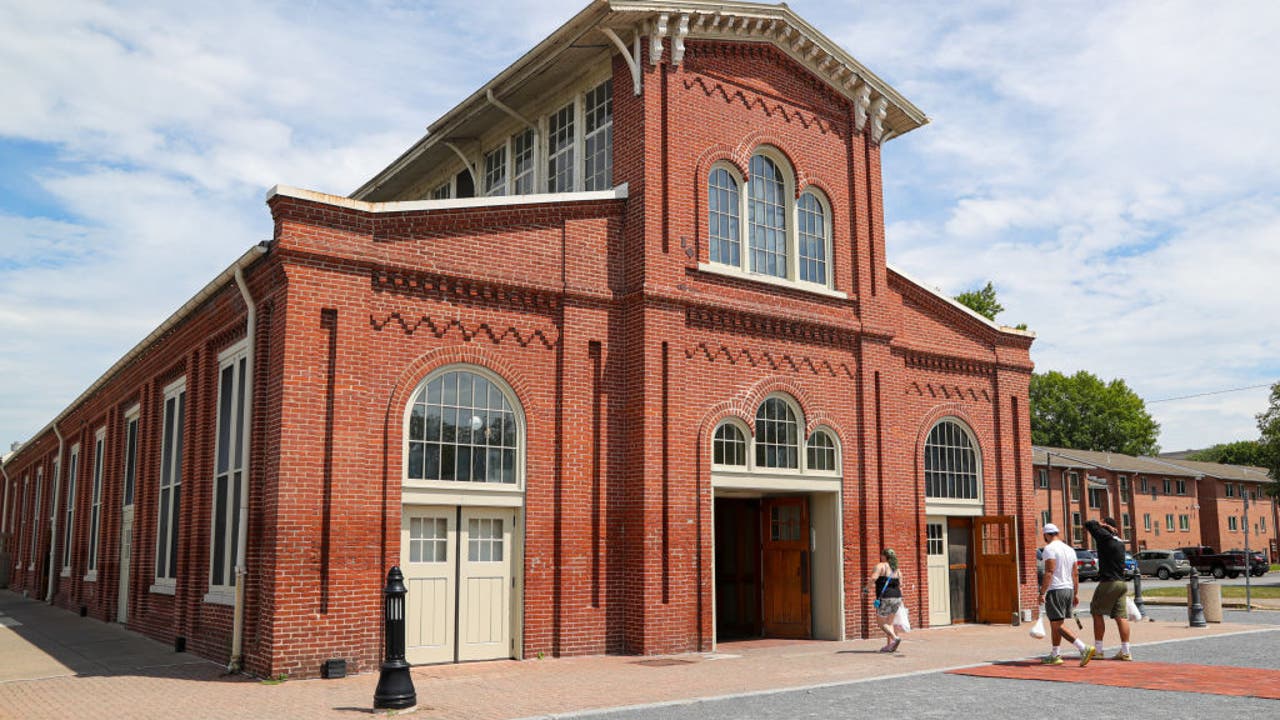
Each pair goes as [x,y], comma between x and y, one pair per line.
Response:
[611,361]
[1162,503]
[1222,491]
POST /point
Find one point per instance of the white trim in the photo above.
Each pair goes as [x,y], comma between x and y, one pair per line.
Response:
[166,588]
[953,508]
[730,271]
[745,480]
[91,576]
[237,348]
[220,596]
[954,303]
[419,493]
[619,192]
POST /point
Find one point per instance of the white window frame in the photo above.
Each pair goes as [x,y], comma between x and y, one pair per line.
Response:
[95,505]
[1073,483]
[463,487]
[35,519]
[1233,524]
[129,457]
[166,535]
[68,532]
[571,149]
[605,128]
[791,214]
[235,359]
[753,476]
[943,505]
[1184,523]
[493,166]
[1168,522]
[1042,479]
[1126,524]
[1124,488]
[1077,530]
[1146,521]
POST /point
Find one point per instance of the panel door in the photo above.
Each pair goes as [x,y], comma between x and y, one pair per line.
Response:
[428,559]
[485,582]
[939,572]
[126,560]
[785,559]
[996,569]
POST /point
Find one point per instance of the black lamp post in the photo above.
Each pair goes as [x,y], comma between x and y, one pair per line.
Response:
[395,684]
[1195,614]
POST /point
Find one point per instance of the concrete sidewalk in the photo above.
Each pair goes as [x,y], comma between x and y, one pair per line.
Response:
[56,665]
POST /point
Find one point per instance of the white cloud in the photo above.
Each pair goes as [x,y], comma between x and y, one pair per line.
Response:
[1111,166]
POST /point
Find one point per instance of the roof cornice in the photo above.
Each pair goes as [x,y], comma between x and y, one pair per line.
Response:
[877,105]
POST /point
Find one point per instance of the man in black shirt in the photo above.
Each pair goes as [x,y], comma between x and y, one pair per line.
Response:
[1109,596]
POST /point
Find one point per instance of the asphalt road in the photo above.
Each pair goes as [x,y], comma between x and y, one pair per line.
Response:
[938,695]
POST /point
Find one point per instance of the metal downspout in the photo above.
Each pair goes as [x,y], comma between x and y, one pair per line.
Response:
[237,627]
[4,514]
[53,521]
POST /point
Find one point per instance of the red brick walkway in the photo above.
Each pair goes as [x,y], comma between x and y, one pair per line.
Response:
[1177,677]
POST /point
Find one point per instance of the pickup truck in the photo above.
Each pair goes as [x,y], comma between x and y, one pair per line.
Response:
[1205,560]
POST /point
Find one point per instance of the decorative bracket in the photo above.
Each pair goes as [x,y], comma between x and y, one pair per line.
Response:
[677,42]
[507,109]
[861,100]
[879,109]
[633,60]
[466,162]
[655,39]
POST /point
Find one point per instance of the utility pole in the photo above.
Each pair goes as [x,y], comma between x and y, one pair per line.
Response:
[1248,556]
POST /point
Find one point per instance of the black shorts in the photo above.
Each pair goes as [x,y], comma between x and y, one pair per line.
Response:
[1058,603]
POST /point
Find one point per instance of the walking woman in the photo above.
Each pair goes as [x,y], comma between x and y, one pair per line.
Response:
[887,583]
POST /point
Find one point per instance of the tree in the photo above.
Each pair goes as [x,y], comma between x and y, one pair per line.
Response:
[1240,452]
[1269,427]
[982,301]
[1082,412]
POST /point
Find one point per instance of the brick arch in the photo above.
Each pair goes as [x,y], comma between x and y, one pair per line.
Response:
[431,360]
[821,417]
[805,181]
[985,440]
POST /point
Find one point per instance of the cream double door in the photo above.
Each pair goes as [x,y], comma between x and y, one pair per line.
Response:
[939,571]
[457,564]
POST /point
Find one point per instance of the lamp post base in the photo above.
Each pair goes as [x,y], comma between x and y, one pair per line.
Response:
[395,687]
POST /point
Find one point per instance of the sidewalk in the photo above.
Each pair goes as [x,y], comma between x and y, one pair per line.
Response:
[40,678]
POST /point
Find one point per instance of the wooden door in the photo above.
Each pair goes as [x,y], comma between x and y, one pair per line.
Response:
[939,571]
[737,538]
[785,560]
[484,583]
[429,561]
[995,569]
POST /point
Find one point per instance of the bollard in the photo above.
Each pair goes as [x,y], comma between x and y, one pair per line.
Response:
[1195,613]
[1137,594]
[395,684]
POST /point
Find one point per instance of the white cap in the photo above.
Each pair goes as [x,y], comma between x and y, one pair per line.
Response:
[1050,529]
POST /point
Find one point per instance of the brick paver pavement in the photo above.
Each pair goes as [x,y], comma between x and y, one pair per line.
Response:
[1173,677]
[158,683]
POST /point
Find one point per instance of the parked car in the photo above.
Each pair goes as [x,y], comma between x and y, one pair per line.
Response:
[1258,565]
[1130,566]
[1220,565]
[1087,562]
[1164,564]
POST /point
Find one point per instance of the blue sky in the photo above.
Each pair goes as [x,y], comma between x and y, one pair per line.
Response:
[1113,167]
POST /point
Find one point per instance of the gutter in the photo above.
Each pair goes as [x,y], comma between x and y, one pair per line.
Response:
[53,521]
[237,624]
[172,321]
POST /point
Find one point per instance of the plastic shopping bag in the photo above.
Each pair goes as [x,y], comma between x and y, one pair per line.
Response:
[1132,608]
[1038,630]
[901,620]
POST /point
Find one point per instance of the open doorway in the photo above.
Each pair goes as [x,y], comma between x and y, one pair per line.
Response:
[763,575]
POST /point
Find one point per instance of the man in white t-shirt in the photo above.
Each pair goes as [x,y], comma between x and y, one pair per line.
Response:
[1060,593]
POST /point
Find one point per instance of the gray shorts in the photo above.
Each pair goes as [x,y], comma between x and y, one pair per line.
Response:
[1058,605]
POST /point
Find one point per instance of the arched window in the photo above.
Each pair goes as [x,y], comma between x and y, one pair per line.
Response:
[777,435]
[821,452]
[767,217]
[811,229]
[952,468]
[729,446]
[462,427]
[787,239]
[723,217]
